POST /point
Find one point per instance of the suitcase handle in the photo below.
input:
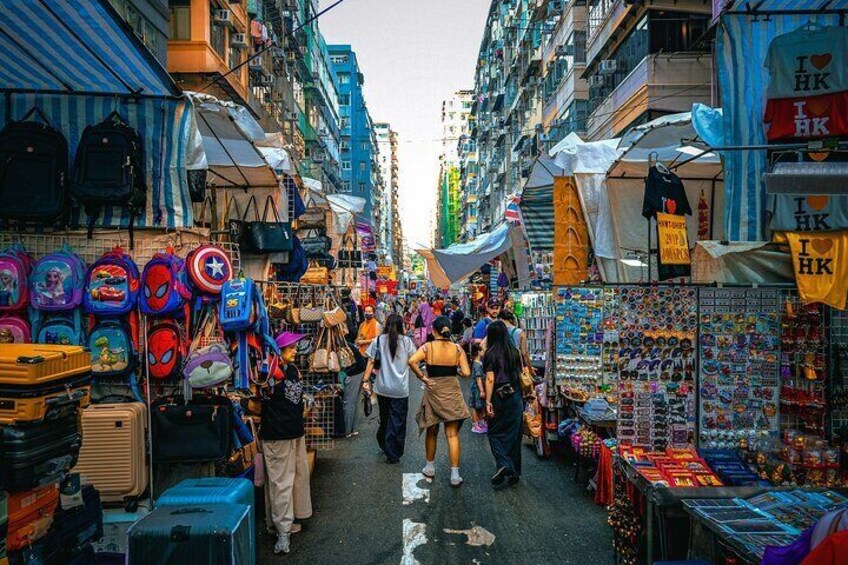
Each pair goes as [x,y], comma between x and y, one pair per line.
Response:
[69,399]
[23,360]
[193,510]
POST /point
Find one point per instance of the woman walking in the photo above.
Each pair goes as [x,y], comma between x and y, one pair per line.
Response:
[502,364]
[389,354]
[442,401]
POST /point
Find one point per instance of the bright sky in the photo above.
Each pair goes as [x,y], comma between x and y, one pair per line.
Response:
[414,54]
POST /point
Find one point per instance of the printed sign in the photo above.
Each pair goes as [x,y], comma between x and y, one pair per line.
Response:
[673,240]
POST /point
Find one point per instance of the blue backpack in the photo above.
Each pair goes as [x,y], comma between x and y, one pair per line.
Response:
[57,281]
[113,352]
[164,289]
[242,315]
[112,285]
[61,329]
[236,312]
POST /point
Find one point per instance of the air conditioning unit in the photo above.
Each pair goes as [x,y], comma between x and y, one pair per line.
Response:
[265,80]
[596,81]
[238,40]
[255,65]
[565,50]
[608,66]
[223,18]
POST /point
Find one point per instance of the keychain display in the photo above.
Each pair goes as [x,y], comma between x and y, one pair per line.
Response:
[657,329]
[579,340]
[740,367]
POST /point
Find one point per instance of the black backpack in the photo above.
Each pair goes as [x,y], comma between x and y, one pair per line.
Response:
[109,170]
[33,171]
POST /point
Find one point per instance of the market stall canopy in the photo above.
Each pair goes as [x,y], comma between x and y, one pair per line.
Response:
[274,149]
[314,193]
[75,47]
[229,136]
[460,260]
[345,207]
[537,204]
[741,262]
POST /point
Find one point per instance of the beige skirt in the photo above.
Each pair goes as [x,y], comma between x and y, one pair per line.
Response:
[443,402]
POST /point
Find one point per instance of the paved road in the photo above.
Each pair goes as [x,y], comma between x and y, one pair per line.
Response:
[359,513]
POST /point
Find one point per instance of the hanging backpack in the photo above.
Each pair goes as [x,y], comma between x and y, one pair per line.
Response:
[33,171]
[113,351]
[208,268]
[57,282]
[244,318]
[14,329]
[15,267]
[112,284]
[166,349]
[163,285]
[236,312]
[61,329]
[109,170]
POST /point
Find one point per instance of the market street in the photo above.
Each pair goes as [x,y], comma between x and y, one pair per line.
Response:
[359,511]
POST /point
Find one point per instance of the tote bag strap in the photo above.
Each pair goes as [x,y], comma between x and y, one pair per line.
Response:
[269,203]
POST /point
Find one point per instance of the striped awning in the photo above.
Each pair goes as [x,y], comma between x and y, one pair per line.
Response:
[75,47]
[537,211]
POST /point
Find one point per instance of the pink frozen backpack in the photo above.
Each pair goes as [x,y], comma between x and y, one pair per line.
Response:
[15,267]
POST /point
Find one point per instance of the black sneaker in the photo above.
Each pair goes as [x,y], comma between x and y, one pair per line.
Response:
[502,483]
[496,478]
[513,480]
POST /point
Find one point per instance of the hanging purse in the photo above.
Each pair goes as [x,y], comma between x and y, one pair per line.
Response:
[316,243]
[313,218]
[316,275]
[310,315]
[333,316]
[320,361]
[268,235]
[350,257]
[190,433]
[234,226]
[346,356]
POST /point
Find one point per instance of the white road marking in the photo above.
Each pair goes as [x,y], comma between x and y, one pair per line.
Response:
[477,536]
[411,490]
[414,534]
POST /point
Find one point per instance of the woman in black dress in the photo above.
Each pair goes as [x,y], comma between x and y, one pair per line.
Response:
[502,365]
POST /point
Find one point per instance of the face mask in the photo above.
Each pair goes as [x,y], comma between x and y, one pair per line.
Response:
[369,316]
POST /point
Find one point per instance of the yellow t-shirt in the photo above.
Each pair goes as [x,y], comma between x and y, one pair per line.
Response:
[820,263]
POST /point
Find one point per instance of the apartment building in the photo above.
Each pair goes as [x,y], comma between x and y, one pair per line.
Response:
[455,120]
[389,230]
[149,20]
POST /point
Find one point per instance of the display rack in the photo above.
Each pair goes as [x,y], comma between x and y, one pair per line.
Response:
[838,371]
[147,243]
[536,317]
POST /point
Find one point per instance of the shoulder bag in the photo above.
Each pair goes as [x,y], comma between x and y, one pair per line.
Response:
[313,218]
[333,315]
[266,235]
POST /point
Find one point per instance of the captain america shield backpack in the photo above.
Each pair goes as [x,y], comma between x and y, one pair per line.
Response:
[208,267]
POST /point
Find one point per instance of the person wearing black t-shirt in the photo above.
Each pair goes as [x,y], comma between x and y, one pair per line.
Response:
[283,438]
[664,193]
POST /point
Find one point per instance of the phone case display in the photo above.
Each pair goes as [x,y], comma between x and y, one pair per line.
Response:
[579,340]
[740,366]
[536,312]
[657,328]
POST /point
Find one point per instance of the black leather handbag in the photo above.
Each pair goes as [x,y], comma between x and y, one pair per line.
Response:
[350,257]
[190,433]
[317,244]
[266,235]
[313,218]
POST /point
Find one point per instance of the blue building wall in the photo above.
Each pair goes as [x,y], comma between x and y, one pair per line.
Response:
[356,154]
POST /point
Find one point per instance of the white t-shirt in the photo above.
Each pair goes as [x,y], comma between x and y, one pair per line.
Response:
[393,376]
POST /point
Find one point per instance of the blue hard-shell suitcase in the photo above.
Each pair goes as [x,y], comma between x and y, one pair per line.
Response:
[212,534]
[212,490]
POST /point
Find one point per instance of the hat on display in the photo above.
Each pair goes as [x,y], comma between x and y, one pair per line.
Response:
[287,339]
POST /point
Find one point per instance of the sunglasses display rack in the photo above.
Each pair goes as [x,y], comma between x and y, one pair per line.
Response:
[739,342]
[656,362]
[579,341]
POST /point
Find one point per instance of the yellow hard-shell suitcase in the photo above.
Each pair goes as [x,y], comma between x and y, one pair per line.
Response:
[37,381]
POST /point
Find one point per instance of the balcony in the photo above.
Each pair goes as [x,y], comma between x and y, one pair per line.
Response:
[663,83]
[570,88]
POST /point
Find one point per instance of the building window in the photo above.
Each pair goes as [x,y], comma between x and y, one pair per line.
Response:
[180,20]
[344,123]
[344,99]
[362,188]
[345,146]
[345,186]
[362,167]
[345,165]
[217,34]
[235,56]
[339,59]
[365,146]
[344,78]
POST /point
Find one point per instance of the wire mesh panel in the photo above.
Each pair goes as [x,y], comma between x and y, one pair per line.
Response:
[838,370]
[323,392]
[146,244]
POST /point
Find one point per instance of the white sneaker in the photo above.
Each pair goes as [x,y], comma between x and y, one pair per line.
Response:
[295,528]
[283,544]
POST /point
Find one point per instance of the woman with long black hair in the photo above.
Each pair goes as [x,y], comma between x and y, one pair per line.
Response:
[389,355]
[502,366]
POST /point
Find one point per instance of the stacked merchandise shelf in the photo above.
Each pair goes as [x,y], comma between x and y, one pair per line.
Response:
[536,312]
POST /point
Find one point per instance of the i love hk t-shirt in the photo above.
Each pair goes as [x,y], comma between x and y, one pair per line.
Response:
[804,213]
[808,62]
[807,117]
[820,263]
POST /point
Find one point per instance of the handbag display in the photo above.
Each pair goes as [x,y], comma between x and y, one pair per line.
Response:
[316,275]
[266,235]
[309,315]
[333,316]
[313,218]
[346,356]
[320,361]
[316,243]
[190,433]
[350,257]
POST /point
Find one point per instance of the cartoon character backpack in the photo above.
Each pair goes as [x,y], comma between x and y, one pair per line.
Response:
[112,285]
[236,312]
[61,329]
[14,329]
[166,349]
[163,285]
[113,349]
[208,268]
[15,267]
[57,280]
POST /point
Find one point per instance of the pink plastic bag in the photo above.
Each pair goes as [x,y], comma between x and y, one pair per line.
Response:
[259,470]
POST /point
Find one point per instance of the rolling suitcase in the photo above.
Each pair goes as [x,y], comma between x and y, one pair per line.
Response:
[74,529]
[212,534]
[38,454]
[116,523]
[31,514]
[212,490]
[36,380]
[113,456]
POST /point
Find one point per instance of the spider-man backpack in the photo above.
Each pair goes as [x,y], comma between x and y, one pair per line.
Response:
[163,285]
[166,349]
[112,285]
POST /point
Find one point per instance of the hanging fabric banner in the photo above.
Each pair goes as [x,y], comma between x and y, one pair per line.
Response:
[673,241]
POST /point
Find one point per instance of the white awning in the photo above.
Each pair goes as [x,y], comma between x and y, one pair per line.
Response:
[460,260]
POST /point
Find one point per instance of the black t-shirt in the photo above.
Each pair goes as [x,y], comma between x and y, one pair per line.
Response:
[664,193]
[360,363]
[282,408]
[497,367]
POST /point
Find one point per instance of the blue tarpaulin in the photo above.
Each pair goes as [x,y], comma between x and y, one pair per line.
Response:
[743,40]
